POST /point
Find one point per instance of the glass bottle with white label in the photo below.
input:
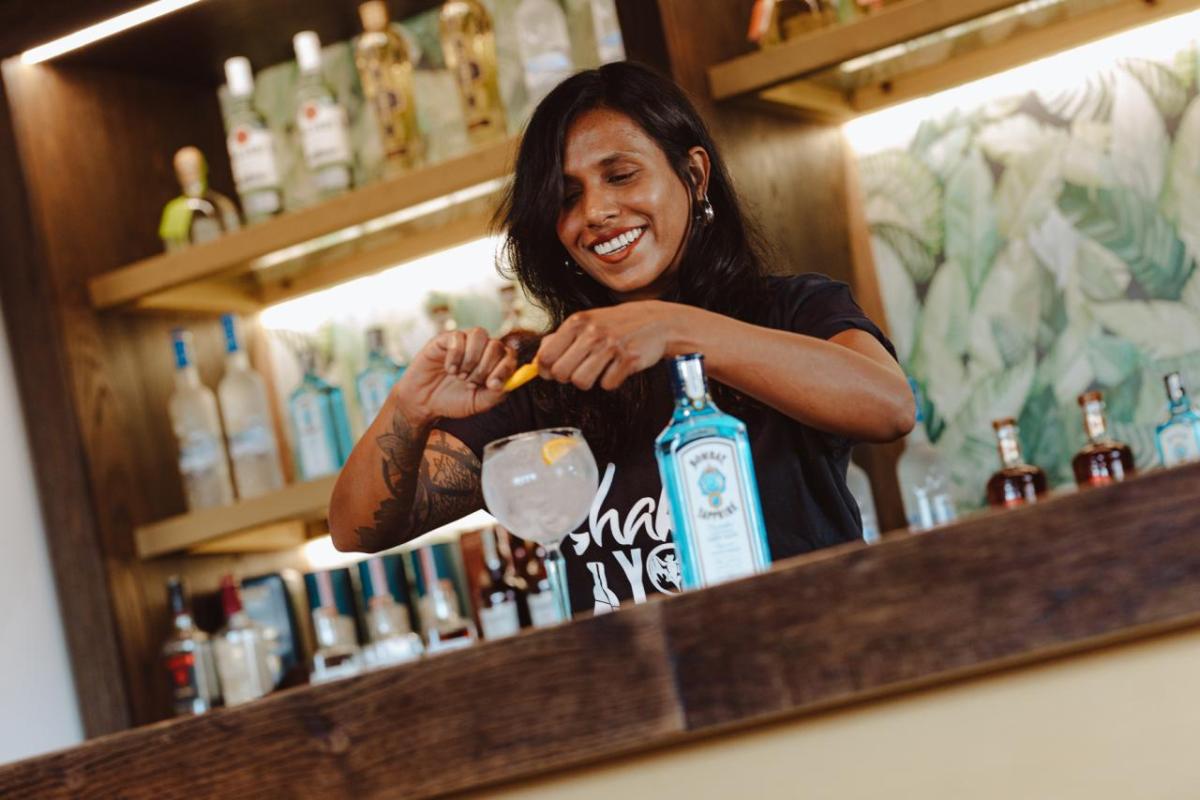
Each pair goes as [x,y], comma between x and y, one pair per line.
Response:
[320,427]
[1178,438]
[545,46]
[860,486]
[242,651]
[187,657]
[321,121]
[377,378]
[247,415]
[251,146]
[708,473]
[925,487]
[499,615]
[193,411]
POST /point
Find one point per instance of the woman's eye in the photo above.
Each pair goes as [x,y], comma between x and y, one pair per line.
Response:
[623,177]
[569,199]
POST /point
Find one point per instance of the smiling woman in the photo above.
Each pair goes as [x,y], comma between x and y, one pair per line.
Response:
[622,223]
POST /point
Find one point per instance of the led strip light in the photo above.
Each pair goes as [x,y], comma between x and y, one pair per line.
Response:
[102,30]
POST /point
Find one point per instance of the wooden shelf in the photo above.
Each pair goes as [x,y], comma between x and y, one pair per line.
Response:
[270,522]
[920,47]
[363,231]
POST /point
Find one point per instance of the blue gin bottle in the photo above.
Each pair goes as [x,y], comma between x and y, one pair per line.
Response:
[376,380]
[708,473]
[1178,438]
[319,424]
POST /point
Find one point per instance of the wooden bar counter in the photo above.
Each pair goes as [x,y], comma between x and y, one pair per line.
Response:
[1050,651]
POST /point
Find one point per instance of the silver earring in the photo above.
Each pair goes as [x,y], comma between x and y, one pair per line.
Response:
[706,213]
[571,265]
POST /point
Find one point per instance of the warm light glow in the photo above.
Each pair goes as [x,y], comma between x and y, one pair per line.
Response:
[320,554]
[102,30]
[895,127]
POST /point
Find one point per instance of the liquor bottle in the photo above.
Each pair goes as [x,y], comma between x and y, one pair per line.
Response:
[860,486]
[268,600]
[1016,483]
[773,22]
[708,473]
[187,657]
[539,598]
[1102,460]
[319,423]
[386,72]
[445,626]
[376,380]
[515,329]
[337,654]
[242,652]
[925,488]
[193,412]
[545,46]
[199,214]
[1178,439]
[437,307]
[469,47]
[251,146]
[247,414]
[321,121]
[595,32]
[498,611]
[389,627]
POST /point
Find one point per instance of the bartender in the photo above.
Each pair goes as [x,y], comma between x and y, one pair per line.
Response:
[622,223]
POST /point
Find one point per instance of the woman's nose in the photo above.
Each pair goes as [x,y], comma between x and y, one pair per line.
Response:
[599,208]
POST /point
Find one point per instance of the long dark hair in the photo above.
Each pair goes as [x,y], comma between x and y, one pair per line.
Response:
[720,269]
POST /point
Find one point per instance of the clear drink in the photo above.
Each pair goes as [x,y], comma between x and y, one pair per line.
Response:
[193,412]
[247,414]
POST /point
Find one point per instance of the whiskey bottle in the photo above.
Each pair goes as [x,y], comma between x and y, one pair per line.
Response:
[1178,438]
[251,146]
[192,409]
[469,47]
[199,214]
[248,425]
[187,657]
[321,121]
[243,654]
[1102,460]
[386,72]
[1016,483]
[499,615]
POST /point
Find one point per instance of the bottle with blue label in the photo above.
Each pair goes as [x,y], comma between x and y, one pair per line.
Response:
[193,411]
[708,473]
[320,427]
[376,380]
[1178,438]
[248,425]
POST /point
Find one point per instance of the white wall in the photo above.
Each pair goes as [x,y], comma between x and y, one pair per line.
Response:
[38,708]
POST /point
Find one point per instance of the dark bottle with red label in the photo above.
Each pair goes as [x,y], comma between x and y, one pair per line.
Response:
[1103,460]
[188,659]
[1015,483]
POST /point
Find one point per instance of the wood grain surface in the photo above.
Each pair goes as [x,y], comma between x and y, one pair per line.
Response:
[843,626]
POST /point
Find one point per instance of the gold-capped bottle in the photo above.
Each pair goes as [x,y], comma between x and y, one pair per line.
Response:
[469,47]
[1102,460]
[385,69]
[1015,483]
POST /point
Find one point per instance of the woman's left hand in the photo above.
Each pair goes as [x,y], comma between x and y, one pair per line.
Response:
[604,346]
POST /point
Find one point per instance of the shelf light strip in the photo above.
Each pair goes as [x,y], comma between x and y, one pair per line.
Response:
[102,30]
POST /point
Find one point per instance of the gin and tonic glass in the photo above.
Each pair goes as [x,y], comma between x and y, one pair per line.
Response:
[540,486]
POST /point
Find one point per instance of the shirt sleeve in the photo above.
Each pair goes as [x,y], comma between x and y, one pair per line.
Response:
[817,306]
[513,415]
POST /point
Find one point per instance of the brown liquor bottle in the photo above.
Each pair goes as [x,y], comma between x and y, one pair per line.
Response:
[1016,483]
[1102,460]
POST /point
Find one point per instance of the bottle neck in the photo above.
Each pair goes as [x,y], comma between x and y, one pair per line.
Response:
[187,377]
[1009,447]
[1094,423]
[237,360]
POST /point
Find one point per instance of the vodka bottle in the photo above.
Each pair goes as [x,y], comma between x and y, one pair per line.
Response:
[860,486]
[376,380]
[187,657]
[1178,438]
[321,121]
[389,626]
[708,473]
[469,47]
[545,46]
[193,411]
[925,488]
[251,146]
[247,415]
[386,72]
[319,424]
[242,651]
[199,214]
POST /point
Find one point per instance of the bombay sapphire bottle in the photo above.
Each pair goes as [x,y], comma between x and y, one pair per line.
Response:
[376,381]
[1178,438]
[319,423]
[708,473]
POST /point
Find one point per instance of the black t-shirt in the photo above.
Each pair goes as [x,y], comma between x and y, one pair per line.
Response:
[623,552]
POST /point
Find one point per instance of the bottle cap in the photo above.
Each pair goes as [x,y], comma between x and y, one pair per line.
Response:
[231,599]
[375,341]
[191,169]
[1174,386]
[176,596]
[239,77]
[687,377]
[374,15]
[1004,422]
[1091,397]
[308,51]
[181,340]
[375,578]
[229,325]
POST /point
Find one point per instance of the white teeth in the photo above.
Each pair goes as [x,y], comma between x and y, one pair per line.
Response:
[618,242]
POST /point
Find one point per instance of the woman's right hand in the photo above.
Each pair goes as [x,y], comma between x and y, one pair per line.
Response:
[456,374]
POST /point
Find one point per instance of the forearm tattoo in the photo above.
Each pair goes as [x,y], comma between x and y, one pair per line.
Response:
[444,487]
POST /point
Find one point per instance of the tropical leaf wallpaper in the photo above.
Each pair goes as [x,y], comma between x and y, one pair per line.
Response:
[1040,245]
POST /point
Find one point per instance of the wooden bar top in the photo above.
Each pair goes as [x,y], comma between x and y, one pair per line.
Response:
[836,627]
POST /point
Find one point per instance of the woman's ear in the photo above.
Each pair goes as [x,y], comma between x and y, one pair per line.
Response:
[698,170]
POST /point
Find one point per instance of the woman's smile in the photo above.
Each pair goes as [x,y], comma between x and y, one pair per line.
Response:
[618,245]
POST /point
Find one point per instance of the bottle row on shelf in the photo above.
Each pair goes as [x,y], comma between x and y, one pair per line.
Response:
[773,22]
[363,617]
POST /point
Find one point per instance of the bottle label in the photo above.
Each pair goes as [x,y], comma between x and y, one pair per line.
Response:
[313,438]
[323,133]
[252,441]
[184,684]
[500,620]
[373,389]
[252,158]
[1178,445]
[198,454]
[723,541]
[543,611]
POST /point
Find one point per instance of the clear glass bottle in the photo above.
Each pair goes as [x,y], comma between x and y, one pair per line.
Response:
[376,380]
[499,612]
[200,214]
[1102,460]
[445,626]
[187,657]
[860,486]
[469,47]
[246,411]
[389,626]
[242,652]
[337,654]
[319,423]
[251,146]
[925,488]
[192,408]
[708,473]
[321,121]
[386,72]
[1015,483]
[1178,438]
[545,46]
[595,32]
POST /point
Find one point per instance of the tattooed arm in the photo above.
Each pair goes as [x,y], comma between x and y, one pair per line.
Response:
[404,478]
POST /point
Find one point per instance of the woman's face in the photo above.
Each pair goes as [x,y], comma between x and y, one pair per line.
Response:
[625,213]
